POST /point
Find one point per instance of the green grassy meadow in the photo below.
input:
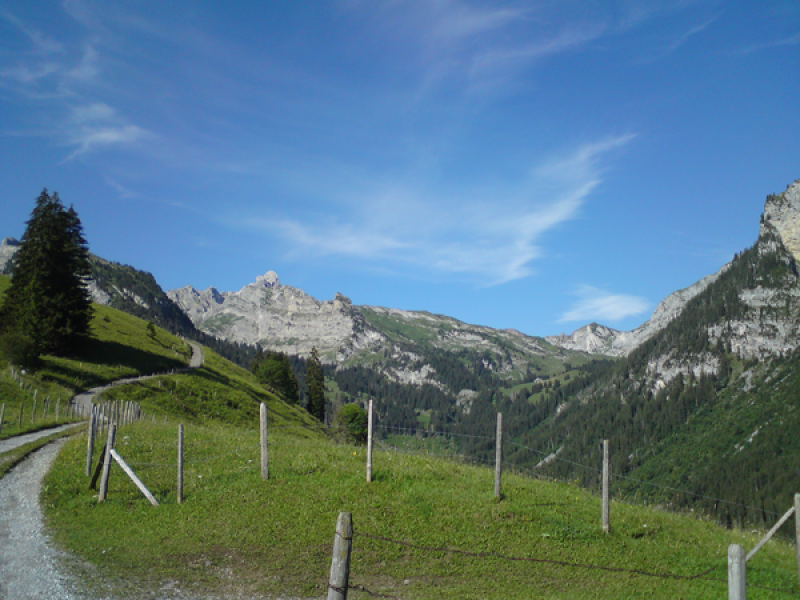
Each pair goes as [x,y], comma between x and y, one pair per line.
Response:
[236,533]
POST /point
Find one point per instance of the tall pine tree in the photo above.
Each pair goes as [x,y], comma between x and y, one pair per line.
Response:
[48,302]
[315,381]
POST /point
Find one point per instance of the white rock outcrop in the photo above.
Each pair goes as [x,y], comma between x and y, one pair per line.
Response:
[279,317]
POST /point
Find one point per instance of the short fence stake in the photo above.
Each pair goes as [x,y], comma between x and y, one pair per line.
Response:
[33,412]
[340,563]
[90,445]
[107,463]
[737,586]
[2,415]
[180,464]
[797,530]
[605,486]
[369,442]
[21,410]
[264,447]
[498,456]
[58,408]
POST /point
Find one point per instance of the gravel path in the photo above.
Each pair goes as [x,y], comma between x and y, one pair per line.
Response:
[29,565]
[11,443]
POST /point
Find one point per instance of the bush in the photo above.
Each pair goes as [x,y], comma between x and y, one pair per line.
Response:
[351,422]
[19,349]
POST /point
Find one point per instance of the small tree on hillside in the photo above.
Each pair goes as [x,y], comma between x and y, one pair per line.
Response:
[48,302]
[274,369]
[351,422]
[315,381]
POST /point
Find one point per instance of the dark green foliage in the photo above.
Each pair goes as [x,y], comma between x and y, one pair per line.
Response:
[274,371]
[351,420]
[19,349]
[315,383]
[48,301]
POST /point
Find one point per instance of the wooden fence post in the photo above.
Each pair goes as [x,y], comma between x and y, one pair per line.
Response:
[180,464]
[33,412]
[605,487]
[498,457]
[797,530]
[129,472]
[2,415]
[21,410]
[264,446]
[340,562]
[90,445]
[58,408]
[107,463]
[369,442]
[737,586]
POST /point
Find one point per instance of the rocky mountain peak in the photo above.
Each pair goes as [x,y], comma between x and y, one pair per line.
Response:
[268,280]
[782,211]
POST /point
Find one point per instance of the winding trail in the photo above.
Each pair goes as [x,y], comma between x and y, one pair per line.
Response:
[30,567]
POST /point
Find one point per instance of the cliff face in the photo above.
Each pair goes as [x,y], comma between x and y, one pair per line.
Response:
[781,212]
[279,317]
[750,310]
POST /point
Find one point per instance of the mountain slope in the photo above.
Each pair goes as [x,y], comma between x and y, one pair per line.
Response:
[706,404]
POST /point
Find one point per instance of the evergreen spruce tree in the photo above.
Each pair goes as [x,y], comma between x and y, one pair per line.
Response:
[48,302]
[315,381]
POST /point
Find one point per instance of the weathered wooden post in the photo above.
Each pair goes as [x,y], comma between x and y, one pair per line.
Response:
[498,457]
[21,411]
[33,412]
[180,464]
[369,442]
[605,486]
[264,447]
[58,408]
[2,415]
[107,463]
[797,531]
[737,585]
[340,562]
[90,444]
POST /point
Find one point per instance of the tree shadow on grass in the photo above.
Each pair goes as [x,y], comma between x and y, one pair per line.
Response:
[108,354]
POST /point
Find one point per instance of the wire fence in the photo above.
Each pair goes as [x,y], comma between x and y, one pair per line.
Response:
[246,459]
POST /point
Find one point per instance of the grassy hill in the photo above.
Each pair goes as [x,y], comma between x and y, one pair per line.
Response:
[425,527]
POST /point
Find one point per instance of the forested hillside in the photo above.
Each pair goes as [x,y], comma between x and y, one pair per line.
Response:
[703,411]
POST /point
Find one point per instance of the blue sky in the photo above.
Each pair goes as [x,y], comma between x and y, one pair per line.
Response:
[533,165]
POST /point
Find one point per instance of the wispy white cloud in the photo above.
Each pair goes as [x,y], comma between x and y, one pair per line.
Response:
[679,40]
[792,40]
[597,305]
[123,191]
[96,111]
[491,236]
[88,139]
[88,69]
[41,43]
